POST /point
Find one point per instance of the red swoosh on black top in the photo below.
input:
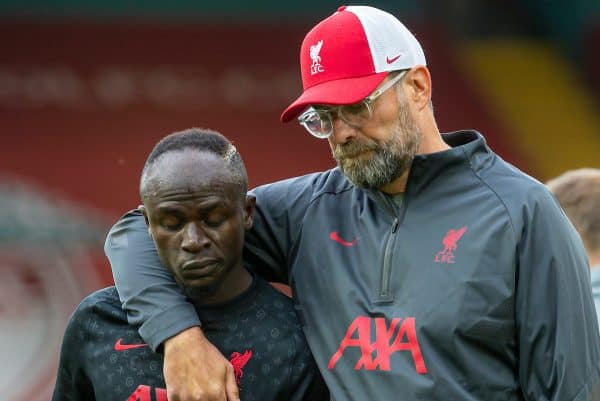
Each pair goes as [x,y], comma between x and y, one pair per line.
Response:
[335,236]
[123,347]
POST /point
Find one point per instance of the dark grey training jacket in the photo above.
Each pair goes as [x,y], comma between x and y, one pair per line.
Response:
[475,288]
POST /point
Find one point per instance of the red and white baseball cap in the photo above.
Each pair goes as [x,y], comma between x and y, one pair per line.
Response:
[347,55]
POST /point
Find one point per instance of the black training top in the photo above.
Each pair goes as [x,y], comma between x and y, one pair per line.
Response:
[103,358]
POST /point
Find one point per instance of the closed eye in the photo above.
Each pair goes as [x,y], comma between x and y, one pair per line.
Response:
[172,223]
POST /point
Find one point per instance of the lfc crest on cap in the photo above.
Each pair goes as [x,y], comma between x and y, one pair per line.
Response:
[316,66]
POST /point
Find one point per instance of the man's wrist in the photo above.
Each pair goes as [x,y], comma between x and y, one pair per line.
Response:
[192,334]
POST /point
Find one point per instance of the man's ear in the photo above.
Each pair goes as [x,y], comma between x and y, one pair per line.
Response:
[249,211]
[420,86]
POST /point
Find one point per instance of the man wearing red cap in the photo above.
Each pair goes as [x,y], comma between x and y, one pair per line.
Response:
[424,267]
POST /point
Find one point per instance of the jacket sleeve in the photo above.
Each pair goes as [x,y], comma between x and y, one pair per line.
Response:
[278,218]
[72,382]
[148,292]
[558,336]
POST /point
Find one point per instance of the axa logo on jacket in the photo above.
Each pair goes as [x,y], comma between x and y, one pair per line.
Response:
[399,335]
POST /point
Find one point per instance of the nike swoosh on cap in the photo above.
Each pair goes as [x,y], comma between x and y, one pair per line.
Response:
[390,60]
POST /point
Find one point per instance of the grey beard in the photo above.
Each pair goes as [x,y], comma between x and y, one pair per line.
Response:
[390,159]
[381,169]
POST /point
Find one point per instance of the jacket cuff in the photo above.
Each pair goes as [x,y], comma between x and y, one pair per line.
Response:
[168,323]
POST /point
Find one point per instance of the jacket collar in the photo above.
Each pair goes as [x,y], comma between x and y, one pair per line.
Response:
[468,150]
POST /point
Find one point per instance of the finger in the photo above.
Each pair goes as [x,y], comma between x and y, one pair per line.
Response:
[172,395]
[231,388]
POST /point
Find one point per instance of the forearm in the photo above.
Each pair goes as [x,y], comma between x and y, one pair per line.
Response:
[147,290]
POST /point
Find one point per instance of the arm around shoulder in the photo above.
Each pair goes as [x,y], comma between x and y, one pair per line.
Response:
[148,292]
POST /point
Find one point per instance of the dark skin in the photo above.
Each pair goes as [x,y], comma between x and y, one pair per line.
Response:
[197,216]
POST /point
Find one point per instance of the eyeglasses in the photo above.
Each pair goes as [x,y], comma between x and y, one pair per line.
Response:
[318,120]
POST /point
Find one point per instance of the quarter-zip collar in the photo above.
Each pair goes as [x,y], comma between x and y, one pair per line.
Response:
[468,148]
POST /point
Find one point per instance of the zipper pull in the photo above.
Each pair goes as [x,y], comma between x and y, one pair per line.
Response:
[395,225]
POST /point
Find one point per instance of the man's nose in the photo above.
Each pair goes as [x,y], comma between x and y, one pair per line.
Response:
[194,238]
[342,132]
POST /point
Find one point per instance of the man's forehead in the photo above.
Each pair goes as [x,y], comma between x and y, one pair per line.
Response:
[191,168]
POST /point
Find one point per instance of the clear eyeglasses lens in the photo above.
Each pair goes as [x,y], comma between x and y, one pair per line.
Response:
[317,122]
[356,114]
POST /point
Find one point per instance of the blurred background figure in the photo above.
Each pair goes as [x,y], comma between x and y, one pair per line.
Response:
[578,192]
[88,87]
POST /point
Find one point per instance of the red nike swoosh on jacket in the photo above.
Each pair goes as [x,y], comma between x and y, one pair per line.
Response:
[335,236]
